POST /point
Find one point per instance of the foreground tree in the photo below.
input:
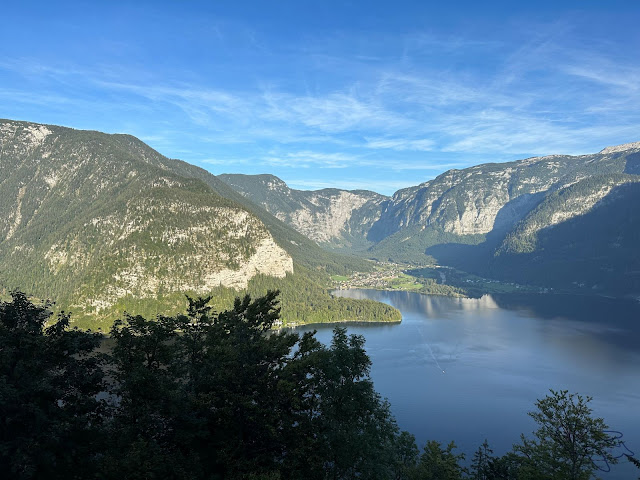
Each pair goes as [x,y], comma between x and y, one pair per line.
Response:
[208,395]
[49,377]
[223,396]
[357,431]
[437,463]
[634,461]
[567,441]
[481,462]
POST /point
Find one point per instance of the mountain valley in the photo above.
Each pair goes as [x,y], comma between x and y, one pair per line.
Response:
[491,220]
[103,224]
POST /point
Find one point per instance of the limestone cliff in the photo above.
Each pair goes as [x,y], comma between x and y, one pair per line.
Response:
[331,217]
[93,218]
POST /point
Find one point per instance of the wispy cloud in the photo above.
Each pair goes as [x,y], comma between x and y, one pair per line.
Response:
[604,72]
[335,112]
[412,104]
[400,144]
[307,159]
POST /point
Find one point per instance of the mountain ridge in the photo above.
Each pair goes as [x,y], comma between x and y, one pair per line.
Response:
[104,223]
[332,217]
[463,217]
[90,215]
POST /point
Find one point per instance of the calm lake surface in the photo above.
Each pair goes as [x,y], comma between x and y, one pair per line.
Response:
[500,354]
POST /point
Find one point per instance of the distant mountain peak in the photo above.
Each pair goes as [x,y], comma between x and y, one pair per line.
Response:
[621,148]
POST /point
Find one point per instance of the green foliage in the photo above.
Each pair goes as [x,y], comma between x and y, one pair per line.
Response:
[567,441]
[481,462]
[221,395]
[409,245]
[49,379]
[305,301]
[201,395]
[634,461]
[214,394]
[437,463]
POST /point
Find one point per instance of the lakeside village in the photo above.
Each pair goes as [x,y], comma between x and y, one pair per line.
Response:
[432,279]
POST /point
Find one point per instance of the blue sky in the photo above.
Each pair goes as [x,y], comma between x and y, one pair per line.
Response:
[361,94]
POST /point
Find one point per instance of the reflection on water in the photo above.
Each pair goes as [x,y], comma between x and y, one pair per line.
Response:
[501,353]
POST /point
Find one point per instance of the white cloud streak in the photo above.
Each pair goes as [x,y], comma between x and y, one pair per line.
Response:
[542,96]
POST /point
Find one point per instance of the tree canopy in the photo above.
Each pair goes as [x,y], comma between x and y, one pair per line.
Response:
[207,395]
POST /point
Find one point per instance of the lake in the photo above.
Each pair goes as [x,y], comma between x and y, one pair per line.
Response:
[500,354]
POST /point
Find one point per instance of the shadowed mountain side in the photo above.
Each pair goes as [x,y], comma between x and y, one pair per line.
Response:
[596,251]
[633,164]
[476,258]
[411,245]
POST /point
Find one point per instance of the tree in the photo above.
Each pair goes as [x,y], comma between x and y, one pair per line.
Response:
[406,456]
[481,462]
[567,441]
[437,463]
[634,461]
[50,377]
[201,395]
[357,433]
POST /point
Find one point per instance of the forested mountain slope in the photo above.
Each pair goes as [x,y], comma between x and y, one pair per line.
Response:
[464,206]
[103,223]
[95,217]
[562,222]
[586,236]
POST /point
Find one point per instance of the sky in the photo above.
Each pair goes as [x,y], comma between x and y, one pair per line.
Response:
[352,94]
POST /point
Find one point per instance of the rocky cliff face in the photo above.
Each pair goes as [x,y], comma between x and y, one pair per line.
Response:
[471,205]
[480,199]
[495,205]
[626,147]
[111,219]
[331,217]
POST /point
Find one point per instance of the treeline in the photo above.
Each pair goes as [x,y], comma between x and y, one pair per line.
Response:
[410,245]
[208,395]
[303,300]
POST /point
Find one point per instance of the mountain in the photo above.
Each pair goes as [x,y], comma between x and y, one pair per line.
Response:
[458,206]
[338,219]
[467,206]
[304,250]
[485,219]
[586,236]
[563,222]
[103,223]
[93,216]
